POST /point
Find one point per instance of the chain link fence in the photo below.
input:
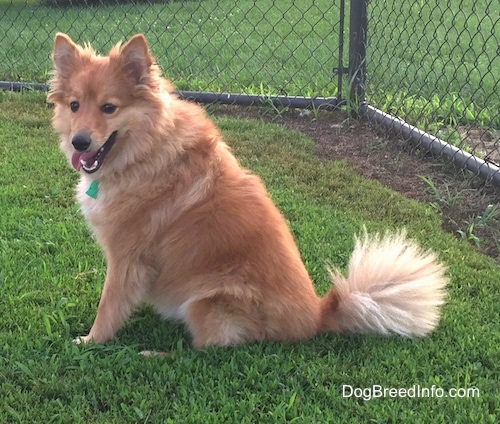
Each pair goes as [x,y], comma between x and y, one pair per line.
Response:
[254,47]
[434,65]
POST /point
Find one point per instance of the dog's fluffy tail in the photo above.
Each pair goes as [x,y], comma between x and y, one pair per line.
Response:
[393,286]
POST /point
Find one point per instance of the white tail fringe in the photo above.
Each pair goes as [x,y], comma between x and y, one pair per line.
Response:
[393,286]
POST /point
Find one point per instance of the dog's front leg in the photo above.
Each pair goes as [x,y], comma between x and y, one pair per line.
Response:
[124,288]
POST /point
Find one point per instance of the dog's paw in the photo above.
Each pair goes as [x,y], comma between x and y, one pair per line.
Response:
[153,353]
[83,340]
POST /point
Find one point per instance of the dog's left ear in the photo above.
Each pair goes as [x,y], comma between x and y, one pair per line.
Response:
[64,53]
[136,59]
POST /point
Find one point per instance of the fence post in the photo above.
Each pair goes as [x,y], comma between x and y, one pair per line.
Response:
[358,26]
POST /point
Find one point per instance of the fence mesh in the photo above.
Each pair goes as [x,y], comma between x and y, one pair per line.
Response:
[437,66]
[434,64]
[220,45]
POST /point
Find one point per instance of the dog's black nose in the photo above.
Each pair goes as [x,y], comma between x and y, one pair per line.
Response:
[81,141]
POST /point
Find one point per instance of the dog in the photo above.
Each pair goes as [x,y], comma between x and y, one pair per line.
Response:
[186,229]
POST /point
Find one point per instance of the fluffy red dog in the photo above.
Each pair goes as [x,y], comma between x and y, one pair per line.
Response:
[186,229]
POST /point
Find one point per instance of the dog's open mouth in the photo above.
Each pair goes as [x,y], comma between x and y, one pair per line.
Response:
[90,162]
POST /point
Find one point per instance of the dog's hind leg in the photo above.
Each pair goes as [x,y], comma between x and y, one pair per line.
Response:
[224,320]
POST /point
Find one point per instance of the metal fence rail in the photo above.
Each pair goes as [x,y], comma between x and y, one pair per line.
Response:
[426,70]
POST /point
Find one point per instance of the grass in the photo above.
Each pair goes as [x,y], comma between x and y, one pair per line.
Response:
[51,273]
[435,70]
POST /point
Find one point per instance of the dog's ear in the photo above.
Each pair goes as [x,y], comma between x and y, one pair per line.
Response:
[136,59]
[64,53]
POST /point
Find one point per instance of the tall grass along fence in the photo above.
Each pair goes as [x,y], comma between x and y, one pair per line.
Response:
[427,70]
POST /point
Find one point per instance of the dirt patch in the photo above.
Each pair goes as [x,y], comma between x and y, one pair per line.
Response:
[462,201]
[482,142]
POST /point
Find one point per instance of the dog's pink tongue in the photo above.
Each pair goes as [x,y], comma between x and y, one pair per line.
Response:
[75,160]
[78,157]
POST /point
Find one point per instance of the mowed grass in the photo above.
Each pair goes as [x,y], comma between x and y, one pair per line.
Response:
[51,274]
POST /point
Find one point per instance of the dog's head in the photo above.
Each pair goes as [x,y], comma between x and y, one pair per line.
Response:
[104,105]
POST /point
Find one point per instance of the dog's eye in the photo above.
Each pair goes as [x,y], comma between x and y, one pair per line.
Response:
[108,108]
[74,106]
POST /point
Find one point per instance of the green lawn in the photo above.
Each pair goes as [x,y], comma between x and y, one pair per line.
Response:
[51,273]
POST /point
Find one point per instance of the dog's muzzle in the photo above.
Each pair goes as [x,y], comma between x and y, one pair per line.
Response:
[90,162]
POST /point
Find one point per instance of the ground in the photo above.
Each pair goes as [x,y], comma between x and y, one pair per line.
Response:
[457,196]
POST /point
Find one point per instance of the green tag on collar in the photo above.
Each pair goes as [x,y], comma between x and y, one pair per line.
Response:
[93,189]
